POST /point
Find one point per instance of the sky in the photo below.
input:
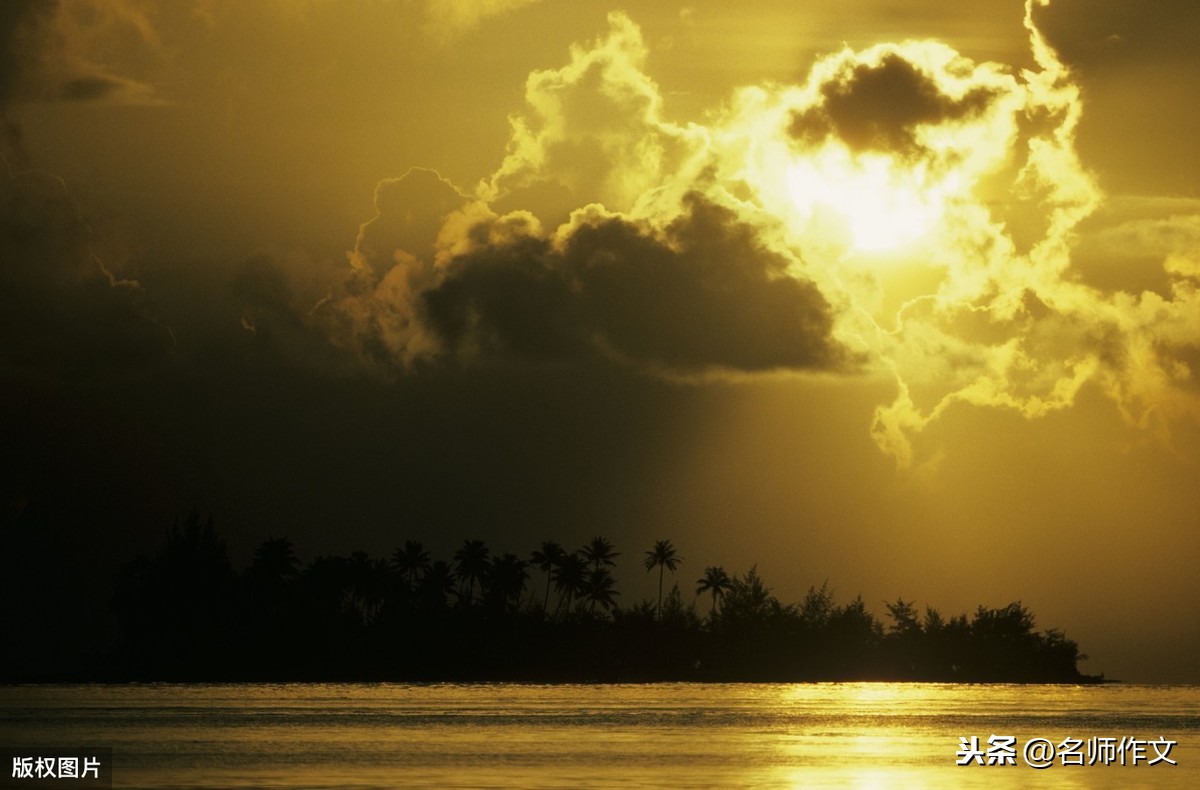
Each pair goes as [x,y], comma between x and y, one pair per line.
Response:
[902,296]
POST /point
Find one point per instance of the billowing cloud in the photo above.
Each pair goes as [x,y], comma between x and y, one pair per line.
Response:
[702,293]
[617,313]
[654,272]
[595,128]
[1046,334]
[905,208]
[410,211]
[881,105]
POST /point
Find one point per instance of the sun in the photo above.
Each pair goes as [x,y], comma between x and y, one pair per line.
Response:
[879,201]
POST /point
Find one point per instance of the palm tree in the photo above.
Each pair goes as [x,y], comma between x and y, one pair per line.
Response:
[272,575]
[367,587]
[569,578]
[506,579]
[437,583]
[324,582]
[547,558]
[471,562]
[665,557]
[195,551]
[599,588]
[599,551]
[715,581]
[411,560]
[274,561]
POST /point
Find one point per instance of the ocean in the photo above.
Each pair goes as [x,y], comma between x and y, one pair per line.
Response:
[745,735]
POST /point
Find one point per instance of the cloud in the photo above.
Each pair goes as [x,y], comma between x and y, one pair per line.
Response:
[62,311]
[880,105]
[1128,59]
[49,50]
[46,54]
[905,211]
[595,127]
[653,271]
[22,28]
[410,211]
[1109,34]
[1143,363]
[447,20]
[572,325]
[374,313]
[702,293]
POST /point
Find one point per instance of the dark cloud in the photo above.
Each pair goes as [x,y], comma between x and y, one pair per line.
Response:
[60,309]
[41,61]
[1111,35]
[90,88]
[22,34]
[409,214]
[18,20]
[704,293]
[515,298]
[878,106]
[1135,64]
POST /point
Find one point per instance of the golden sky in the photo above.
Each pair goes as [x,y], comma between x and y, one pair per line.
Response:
[902,295]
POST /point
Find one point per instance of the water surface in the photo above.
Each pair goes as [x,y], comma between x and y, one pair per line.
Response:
[847,735]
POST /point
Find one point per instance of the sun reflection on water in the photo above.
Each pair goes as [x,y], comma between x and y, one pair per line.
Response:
[376,736]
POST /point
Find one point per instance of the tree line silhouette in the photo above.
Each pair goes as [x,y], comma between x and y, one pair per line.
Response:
[186,614]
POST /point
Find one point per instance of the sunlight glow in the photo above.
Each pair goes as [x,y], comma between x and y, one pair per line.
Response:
[884,203]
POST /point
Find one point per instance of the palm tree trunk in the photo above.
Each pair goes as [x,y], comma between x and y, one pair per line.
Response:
[660,577]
